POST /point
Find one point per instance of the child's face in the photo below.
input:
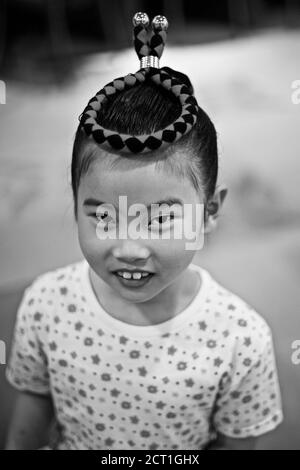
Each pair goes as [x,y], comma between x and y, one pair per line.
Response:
[166,259]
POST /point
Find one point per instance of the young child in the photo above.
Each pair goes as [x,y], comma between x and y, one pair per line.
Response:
[135,346]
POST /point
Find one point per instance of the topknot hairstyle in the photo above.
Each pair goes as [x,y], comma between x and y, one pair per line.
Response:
[149,49]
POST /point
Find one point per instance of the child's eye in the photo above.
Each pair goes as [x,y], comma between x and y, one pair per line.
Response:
[103,217]
[161,219]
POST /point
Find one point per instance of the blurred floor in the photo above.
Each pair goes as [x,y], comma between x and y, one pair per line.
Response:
[245,86]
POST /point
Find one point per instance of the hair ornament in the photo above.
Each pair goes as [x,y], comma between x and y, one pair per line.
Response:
[149,46]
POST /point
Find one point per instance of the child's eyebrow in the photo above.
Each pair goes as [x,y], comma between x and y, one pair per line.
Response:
[169,201]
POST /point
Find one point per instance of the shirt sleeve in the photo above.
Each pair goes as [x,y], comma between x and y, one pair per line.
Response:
[27,365]
[250,402]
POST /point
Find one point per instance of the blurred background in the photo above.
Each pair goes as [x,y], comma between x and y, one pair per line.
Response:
[242,57]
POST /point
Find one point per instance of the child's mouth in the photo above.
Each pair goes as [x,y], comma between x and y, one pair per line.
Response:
[129,279]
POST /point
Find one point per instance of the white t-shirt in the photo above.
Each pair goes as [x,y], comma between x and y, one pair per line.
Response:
[166,386]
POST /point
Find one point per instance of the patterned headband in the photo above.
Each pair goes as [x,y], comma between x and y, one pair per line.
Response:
[149,52]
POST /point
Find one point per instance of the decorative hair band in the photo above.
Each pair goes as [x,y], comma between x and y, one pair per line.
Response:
[149,52]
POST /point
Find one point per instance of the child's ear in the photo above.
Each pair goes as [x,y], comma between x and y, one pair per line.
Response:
[213,207]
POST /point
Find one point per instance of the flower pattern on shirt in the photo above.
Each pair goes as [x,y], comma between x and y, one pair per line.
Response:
[121,386]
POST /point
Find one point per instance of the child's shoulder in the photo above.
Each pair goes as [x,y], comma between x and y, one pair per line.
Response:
[51,294]
[56,280]
[231,313]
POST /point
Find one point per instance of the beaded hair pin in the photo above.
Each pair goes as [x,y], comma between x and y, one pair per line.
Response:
[149,52]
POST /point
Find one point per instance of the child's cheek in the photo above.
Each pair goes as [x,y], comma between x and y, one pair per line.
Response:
[87,237]
[194,228]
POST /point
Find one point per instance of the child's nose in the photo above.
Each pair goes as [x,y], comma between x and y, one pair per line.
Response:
[131,250]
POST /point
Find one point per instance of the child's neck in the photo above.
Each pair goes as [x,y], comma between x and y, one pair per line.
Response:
[166,305]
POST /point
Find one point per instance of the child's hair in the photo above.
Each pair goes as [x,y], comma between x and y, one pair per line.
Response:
[146,108]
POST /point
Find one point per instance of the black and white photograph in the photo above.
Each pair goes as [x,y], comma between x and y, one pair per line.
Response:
[149,227]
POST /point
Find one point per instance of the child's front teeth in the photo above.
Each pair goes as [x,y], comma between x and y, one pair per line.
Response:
[127,275]
[137,275]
